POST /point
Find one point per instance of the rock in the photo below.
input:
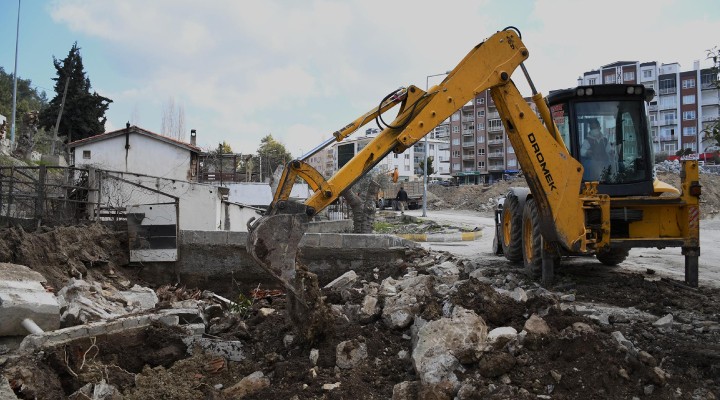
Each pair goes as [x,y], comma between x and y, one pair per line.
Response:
[230,349]
[519,295]
[442,345]
[620,339]
[467,392]
[536,325]
[314,355]
[400,310]
[648,389]
[266,311]
[248,386]
[568,297]
[87,302]
[502,335]
[447,272]
[141,297]
[288,340]
[350,353]
[403,355]
[664,322]
[331,386]
[623,373]
[369,307]
[405,391]
[343,281]
[6,391]
[582,327]
[556,375]
[658,376]
[647,359]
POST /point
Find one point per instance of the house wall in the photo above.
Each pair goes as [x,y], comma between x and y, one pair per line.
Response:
[202,206]
[145,156]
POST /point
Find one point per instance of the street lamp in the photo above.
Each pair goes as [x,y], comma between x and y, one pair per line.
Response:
[425,166]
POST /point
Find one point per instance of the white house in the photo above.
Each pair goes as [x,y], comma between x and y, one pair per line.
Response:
[137,150]
[147,169]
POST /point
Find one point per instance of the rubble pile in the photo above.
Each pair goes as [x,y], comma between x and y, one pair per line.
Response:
[442,328]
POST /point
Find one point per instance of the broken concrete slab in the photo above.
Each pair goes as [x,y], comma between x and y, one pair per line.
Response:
[39,341]
[23,296]
[342,281]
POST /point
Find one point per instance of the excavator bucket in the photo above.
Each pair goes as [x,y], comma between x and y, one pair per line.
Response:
[273,243]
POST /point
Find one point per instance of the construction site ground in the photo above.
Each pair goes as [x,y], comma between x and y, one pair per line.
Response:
[606,333]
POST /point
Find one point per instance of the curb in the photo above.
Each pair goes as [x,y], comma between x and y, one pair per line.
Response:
[442,237]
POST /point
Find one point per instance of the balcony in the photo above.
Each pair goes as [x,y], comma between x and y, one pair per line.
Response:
[468,107]
[495,141]
[653,107]
[496,155]
[468,143]
[468,132]
[496,167]
[468,157]
[668,121]
[469,118]
[492,115]
[667,107]
[672,90]
[710,118]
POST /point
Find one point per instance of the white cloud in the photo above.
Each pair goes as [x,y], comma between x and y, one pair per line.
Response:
[301,70]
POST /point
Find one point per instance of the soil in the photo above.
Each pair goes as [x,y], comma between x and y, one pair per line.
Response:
[566,364]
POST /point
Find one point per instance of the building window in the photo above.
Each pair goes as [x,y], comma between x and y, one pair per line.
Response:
[481,126]
[591,81]
[86,154]
[512,163]
[481,164]
[407,156]
[456,141]
[669,147]
[688,83]
[494,124]
[667,86]
[647,74]
[432,147]
[456,167]
[688,115]
[481,113]
[689,99]
[407,168]
[481,152]
[395,155]
[456,129]
[610,78]
[690,146]
[456,153]
[511,150]
[480,100]
[481,139]
[629,76]
[689,131]
[708,79]
[455,117]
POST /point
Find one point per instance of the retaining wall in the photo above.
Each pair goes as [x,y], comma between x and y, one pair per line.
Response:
[218,260]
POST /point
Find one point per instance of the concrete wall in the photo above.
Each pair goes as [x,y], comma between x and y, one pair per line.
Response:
[260,194]
[201,205]
[146,156]
[218,261]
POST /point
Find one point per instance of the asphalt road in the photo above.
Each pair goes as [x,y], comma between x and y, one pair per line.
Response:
[667,262]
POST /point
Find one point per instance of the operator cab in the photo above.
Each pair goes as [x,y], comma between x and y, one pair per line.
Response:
[605,128]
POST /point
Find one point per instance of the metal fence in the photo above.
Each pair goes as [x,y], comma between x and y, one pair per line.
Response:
[44,195]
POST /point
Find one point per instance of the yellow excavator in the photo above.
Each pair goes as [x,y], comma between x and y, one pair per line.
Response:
[562,212]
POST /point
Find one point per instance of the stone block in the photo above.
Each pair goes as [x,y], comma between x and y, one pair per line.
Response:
[230,349]
[23,296]
[331,240]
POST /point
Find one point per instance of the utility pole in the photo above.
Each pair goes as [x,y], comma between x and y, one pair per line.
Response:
[14,102]
[57,123]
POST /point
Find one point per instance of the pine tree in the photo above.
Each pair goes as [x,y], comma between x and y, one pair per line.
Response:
[84,112]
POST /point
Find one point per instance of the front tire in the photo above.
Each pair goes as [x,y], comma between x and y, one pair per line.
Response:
[531,237]
[511,229]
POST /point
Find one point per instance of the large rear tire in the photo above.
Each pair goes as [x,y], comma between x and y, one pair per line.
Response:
[613,257]
[531,237]
[511,229]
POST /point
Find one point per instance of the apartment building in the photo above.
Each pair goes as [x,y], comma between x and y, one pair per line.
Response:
[480,151]
[331,159]
[686,103]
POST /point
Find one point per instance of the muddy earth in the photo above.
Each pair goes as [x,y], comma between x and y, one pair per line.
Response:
[434,326]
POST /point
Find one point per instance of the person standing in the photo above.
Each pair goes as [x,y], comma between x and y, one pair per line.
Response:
[402,199]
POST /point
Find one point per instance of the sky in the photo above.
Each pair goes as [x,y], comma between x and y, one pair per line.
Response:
[300,70]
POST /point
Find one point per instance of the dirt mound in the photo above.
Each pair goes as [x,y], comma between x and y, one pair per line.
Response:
[60,253]
[482,197]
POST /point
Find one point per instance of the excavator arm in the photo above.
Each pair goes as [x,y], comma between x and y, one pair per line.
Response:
[554,176]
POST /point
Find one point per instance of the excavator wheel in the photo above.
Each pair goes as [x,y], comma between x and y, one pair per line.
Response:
[511,229]
[613,256]
[531,237]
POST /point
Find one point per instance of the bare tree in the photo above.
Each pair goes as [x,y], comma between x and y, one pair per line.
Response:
[173,120]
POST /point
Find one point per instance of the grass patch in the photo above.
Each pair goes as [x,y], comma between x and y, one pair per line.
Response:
[382,227]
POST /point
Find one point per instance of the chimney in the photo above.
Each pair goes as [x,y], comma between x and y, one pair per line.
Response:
[193,137]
